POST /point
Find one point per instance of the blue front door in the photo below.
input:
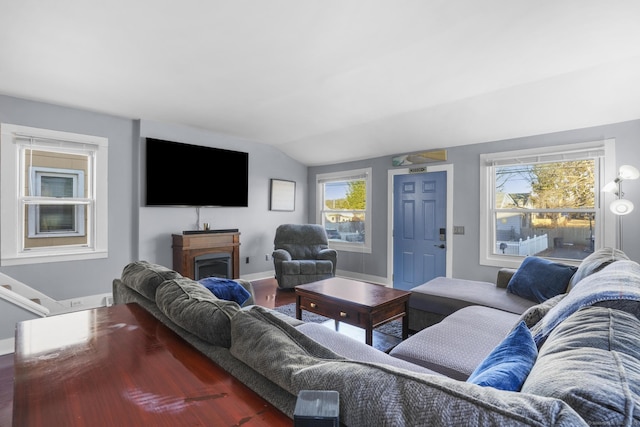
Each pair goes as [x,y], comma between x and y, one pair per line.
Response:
[419,228]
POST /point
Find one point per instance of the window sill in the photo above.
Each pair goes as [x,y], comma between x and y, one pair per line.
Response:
[41,258]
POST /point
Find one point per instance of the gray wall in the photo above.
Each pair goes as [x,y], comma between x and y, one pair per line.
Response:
[137,232]
[256,223]
[65,280]
[466,202]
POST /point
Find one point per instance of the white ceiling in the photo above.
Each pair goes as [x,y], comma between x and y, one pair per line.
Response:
[328,81]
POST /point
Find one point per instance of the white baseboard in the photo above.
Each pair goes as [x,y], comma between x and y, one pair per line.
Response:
[7,346]
[258,276]
[340,273]
[364,278]
[85,303]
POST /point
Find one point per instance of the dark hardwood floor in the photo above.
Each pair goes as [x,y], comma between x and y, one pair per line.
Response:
[267,294]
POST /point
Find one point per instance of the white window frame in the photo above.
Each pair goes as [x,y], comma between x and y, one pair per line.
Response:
[605,221]
[321,179]
[13,139]
[77,177]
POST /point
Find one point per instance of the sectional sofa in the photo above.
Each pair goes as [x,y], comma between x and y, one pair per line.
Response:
[575,354]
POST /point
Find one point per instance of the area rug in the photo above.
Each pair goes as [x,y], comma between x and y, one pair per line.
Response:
[393,328]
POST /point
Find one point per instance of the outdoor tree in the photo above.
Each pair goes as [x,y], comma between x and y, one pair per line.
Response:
[356,195]
[563,185]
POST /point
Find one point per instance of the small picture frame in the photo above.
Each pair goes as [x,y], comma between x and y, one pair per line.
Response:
[282,195]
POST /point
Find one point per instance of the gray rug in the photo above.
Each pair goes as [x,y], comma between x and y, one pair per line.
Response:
[393,328]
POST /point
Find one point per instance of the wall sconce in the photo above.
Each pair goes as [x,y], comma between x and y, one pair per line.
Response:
[621,206]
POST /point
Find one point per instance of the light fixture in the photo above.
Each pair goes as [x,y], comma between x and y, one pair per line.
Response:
[628,172]
[621,206]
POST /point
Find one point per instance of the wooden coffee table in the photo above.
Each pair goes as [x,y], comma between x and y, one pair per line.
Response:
[356,303]
[117,366]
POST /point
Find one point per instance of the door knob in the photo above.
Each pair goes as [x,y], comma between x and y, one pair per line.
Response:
[441,246]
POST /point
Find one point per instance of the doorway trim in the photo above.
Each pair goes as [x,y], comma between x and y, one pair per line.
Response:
[449,232]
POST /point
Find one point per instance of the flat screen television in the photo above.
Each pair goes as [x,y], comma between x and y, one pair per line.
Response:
[179,174]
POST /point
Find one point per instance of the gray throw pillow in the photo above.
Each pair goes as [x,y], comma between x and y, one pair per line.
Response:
[145,277]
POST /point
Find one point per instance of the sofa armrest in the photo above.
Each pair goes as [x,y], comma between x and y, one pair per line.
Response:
[504,275]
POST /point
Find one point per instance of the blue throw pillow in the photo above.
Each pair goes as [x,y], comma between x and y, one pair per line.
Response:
[509,364]
[226,289]
[539,279]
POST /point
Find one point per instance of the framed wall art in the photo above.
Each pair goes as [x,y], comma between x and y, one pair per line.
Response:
[282,195]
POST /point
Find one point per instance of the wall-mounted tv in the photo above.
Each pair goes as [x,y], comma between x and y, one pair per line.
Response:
[179,174]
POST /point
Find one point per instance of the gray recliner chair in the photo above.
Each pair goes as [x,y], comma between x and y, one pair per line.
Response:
[302,255]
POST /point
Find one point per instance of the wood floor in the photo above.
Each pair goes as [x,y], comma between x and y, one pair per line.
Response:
[267,294]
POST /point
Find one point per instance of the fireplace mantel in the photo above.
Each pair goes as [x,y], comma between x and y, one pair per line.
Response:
[186,247]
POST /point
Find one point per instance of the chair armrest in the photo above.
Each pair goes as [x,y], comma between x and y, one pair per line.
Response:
[504,275]
[281,255]
[330,254]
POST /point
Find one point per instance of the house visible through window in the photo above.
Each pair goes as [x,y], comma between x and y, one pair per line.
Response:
[344,209]
[542,202]
[56,220]
[55,195]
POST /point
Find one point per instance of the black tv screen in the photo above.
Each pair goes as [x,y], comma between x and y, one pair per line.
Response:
[179,174]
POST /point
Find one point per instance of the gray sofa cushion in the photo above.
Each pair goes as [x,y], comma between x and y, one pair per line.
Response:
[378,394]
[596,262]
[145,277]
[355,350]
[458,344]
[592,362]
[194,308]
[445,295]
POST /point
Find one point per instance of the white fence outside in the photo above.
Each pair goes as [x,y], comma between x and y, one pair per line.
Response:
[530,246]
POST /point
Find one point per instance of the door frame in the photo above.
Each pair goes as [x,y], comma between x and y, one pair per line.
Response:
[390,212]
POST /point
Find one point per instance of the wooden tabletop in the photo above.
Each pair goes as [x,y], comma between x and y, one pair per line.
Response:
[119,366]
[356,292]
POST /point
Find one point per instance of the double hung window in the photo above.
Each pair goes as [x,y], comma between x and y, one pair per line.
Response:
[64,186]
[543,202]
[54,195]
[344,209]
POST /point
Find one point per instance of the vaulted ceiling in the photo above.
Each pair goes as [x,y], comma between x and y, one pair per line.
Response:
[328,81]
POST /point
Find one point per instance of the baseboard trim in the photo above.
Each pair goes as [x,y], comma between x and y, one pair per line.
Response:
[340,273]
[7,346]
[85,303]
[364,278]
[258,276]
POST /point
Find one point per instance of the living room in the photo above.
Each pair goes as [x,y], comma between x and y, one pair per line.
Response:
[136,231]
[531,77]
